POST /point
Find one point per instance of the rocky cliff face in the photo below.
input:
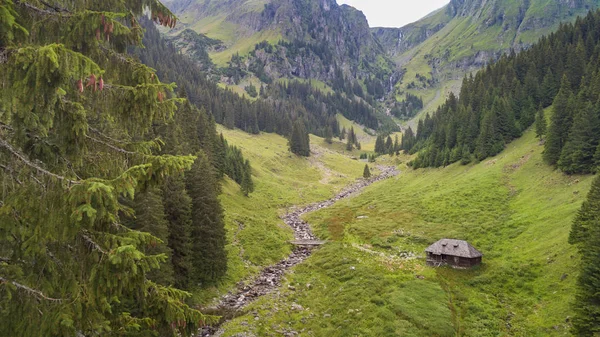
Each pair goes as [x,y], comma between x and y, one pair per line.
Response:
[320,39]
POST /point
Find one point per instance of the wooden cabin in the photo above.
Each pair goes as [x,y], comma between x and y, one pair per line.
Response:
[455,253]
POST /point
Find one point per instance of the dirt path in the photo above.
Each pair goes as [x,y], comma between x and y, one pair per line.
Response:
[270,278]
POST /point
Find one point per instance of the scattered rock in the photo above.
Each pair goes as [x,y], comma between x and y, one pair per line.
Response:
[270,277]
[564,277]
[362,217]
[420,277]
[352,268]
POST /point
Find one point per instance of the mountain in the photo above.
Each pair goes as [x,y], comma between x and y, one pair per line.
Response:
[465,34]
[262,41]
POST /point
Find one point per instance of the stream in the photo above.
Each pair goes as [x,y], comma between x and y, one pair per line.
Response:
[269,279]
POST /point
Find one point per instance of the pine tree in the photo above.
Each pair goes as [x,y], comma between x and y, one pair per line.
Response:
[349,145]
[299,141]
[208,256]
[577,155]
[367,172]
[560,124]
[343,134]
[549,89]
[328,135]
[389,145]
[178,212]
[76,143]
[352,136]
[247,185]
[540,123]
[585,234]
[150,218]
[379,145]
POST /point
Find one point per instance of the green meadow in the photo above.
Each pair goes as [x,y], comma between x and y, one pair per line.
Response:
[371,278]
[257,237]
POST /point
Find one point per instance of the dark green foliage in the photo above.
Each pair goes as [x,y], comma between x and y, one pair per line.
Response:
[577,155]
[84,238]
[408,108]
[178,213]
[367,172]
[236,167]
[247,185]
[150,218]
[208,256]
[299,141]
[389,145]
[560,124]
[497,104]
[380,145]
[540,123]
[328,135]
[585,234]
[352,140]
[408,140]
[251,90]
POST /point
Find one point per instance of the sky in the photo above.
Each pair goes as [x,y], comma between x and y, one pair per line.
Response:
[394,13]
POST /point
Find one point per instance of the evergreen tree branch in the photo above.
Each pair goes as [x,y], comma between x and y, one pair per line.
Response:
[100,133]
[36,9]
[92,243]
[11,172]
[55,8]
[118,149]
[23,159]
[29,290]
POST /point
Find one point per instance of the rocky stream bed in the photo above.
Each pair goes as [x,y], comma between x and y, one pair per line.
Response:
[269,279]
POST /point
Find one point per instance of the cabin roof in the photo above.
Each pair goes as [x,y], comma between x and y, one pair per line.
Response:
[453,247]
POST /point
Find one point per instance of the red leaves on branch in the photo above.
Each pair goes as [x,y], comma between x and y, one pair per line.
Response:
[101,84]
[80,86]
[161,96]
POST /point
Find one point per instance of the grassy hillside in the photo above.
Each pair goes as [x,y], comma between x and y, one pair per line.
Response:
[256,235]
[464,35]
[514,208]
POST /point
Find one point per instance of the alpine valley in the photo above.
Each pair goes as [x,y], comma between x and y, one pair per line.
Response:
[256,168]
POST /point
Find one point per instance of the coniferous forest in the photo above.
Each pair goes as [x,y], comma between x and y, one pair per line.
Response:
[109,210]
[122,160]
[561,71]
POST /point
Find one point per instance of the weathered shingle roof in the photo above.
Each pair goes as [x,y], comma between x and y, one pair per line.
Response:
[454,248]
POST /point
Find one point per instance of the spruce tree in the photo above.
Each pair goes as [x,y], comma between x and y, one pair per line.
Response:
[208,256]
[389,145]
[75,143]
[300,141]
[379,145]
[328,135]
[577,155]
[343,133]
[560,124]
[540,123]
[585,235]
[178,212]
[366,172]
[247,185]
[150,218]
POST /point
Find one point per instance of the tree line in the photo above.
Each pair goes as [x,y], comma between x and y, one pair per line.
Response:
[502,100]
[110,177]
